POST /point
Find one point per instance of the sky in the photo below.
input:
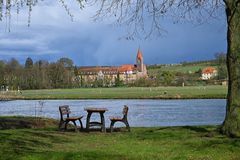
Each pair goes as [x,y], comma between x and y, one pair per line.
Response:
[53,35]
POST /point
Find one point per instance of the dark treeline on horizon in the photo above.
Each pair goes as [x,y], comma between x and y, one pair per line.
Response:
[43,74]
[37,75]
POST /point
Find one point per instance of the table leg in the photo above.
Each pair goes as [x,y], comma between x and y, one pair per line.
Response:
[88,121]
[103,122]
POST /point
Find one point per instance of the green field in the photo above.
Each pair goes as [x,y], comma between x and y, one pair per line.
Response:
[164,143]
[190,68]
[128,93]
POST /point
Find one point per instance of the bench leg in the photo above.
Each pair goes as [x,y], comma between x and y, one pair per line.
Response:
[127,125]
[60,124]
[66,123]
[76,129]
[80,121]
[111,126]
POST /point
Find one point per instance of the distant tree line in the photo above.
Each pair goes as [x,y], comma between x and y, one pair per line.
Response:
[64,74]
[207,62]
[38,75]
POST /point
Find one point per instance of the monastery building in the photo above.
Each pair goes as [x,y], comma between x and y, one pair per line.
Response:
[126,72]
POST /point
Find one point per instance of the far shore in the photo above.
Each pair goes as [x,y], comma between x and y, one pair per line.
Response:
[188,92]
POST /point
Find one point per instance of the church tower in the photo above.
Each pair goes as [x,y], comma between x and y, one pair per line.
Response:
[139,61]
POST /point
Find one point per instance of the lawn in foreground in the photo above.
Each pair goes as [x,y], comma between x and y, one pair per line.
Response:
[193,143]
[128,93]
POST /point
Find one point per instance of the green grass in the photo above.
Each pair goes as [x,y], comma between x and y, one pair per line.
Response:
[166,143]
[128,93]
[185,69]
[181,68]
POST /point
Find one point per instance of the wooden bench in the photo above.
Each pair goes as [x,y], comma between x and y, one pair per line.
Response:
[65,118]
[120,119]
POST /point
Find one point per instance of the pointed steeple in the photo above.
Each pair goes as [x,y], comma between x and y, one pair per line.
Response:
[139,54]
[139,61]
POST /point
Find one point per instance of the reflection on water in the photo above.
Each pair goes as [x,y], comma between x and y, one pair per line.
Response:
[144,113]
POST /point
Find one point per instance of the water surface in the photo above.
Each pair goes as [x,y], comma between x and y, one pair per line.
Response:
[142,113]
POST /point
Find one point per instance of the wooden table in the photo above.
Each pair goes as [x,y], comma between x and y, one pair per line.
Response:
[101,111]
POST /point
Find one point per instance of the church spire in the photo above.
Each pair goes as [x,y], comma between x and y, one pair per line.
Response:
[139,61]
[139,54]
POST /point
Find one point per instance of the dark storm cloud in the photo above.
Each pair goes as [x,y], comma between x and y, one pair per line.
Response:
[52,35]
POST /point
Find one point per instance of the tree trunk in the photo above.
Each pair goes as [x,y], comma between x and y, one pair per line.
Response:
[231,125]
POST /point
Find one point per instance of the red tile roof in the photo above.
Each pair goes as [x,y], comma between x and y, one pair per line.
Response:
[209,70]
[126,67]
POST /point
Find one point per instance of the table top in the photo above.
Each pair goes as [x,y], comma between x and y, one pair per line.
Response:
[94,109]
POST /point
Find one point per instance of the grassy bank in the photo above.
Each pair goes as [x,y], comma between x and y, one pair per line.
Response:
[189,68]
[192,143]
[4,96]
[128,93]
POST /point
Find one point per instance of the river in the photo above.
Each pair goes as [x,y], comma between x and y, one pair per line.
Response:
[142,113]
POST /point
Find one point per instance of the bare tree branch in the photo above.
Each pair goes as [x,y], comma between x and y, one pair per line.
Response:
[142,17]
[145,16]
